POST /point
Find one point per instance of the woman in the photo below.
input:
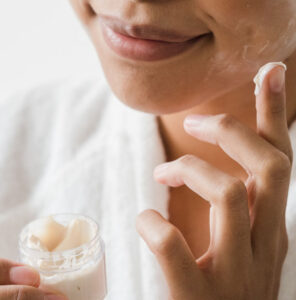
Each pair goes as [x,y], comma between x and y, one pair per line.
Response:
[229,164]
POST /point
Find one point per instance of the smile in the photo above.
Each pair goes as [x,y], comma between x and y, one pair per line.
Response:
[145,42]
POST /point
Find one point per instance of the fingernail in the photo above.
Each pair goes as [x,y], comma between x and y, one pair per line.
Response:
[24,276]
[277,80]
[160,169]
[194,120]
[54,297]
[263,71]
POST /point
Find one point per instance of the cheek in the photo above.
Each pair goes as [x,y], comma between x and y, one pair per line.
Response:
[255,31]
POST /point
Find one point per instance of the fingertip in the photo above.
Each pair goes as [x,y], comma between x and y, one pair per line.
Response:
[144,218]
[139,222]
[24,275]
[276,79]
[265,70]
[149,223]
[160,172]
[165,174]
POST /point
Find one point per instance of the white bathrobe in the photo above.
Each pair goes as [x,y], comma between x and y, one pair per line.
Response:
[72,147]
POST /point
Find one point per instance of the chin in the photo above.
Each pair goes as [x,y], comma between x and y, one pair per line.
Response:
[158,90]
[162,92]
[153,101]
[178,84]
[152,95]
[161,87]
[167,88]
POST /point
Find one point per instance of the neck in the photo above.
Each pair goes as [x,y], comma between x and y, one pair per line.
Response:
[240,103]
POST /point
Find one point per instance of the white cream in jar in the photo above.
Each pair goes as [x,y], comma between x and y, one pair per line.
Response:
[69,254]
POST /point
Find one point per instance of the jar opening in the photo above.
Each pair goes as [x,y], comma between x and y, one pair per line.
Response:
[64,260]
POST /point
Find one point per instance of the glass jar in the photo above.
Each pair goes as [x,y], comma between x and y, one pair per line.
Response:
[78,273]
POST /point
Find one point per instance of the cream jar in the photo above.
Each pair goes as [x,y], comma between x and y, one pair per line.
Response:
[69,254]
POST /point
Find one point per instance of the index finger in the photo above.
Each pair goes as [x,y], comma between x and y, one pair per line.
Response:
[272,126]
[271,106]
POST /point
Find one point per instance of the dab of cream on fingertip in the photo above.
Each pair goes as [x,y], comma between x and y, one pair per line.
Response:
[263,71]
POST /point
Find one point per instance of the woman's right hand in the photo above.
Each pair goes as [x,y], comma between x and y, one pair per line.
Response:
[21,282]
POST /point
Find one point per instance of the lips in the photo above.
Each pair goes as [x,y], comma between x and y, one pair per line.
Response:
[144,42]
[144,31]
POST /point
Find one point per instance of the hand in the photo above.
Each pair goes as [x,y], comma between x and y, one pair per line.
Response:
[247,219]
[19,282]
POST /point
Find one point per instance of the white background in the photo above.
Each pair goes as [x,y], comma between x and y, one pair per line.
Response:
[41,40]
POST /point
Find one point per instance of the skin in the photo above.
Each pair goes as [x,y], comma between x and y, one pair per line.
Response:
[213,78]
[21,282]
[183,213]
[213,178]
[248,239]
[245,35]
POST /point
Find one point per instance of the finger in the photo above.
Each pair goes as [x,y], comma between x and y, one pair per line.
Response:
[268,167]
[12,292]
[271,109]
[256,155]
[171,251]
[228,197]
[272,125]
[14,273]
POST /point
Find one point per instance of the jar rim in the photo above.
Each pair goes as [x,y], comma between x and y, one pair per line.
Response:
[70,252]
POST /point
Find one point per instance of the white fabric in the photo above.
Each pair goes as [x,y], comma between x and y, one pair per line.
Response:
[50,37]
[73,147]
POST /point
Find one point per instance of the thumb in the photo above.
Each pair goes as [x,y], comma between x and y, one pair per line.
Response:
[14,273]
[171,250]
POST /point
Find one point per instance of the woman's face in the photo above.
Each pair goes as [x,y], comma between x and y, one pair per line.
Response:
[238,37]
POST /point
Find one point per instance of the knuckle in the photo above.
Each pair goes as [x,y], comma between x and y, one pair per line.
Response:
[233,192]
[166,242]
[185,265]
[277,166]
[225,121]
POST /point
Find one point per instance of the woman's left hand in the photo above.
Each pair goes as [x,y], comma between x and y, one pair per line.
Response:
[247,219]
